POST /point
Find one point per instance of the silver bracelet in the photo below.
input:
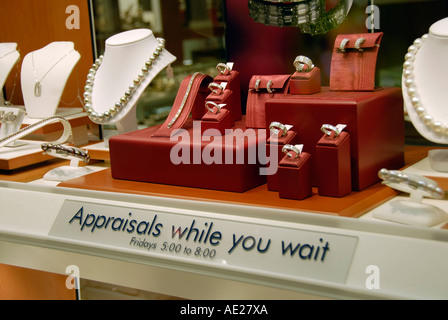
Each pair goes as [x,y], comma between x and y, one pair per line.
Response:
[59,150]
[408,182]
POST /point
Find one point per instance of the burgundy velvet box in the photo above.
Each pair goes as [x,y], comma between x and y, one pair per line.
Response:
[374,120]
[139,157]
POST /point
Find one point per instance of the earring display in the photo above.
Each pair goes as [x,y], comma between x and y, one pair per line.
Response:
[353,62]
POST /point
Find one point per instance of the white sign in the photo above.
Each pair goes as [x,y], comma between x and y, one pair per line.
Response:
[223,243]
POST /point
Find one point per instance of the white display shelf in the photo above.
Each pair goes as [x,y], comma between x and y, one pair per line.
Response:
[410,262]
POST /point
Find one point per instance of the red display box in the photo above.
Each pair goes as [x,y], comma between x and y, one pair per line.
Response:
[375,122]
[333,165]
[294,177]
[225,163]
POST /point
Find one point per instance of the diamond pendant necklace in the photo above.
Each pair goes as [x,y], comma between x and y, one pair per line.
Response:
[38,83]
[124,100]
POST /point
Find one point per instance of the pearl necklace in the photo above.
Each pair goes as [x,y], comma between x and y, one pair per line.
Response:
[124,100]
[411,89]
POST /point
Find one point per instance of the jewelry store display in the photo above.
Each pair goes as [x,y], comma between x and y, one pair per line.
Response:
[125,98]
[38,82]
[309,15]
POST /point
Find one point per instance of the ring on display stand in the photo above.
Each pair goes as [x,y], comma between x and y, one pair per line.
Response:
[216,88]
[411,211]
[328,128]
[215,108]
[296,149]
[301,61]
[257,85]
[223,68]
[279,129]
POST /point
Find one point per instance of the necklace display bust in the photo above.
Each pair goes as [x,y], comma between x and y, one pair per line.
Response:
[425,89]
[126,54]
[9,57]
[44,76]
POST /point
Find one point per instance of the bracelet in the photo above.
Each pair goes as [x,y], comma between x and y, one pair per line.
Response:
[59,150]
[310,15]
[407,182]
[66,135]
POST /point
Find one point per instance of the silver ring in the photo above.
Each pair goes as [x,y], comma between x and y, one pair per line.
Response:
[223,68]
[301,61]
[289,147]
[275,128]
[407,182]
[343,44]
[216,88]
[358,44]
[214,107]
[328,128]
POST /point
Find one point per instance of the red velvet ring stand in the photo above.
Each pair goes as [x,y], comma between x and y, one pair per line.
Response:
[333,165]
[294,176]
[305,82]
[289,138]
[217,121]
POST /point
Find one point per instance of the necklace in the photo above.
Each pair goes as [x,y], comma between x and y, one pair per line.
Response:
[8,102]
[38,84]
[411,89]
[124,100]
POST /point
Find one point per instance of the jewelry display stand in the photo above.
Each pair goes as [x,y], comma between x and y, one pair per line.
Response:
[411,211]
[72,171]
[9,56]
[44,76]
[425,89]
[124,68]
